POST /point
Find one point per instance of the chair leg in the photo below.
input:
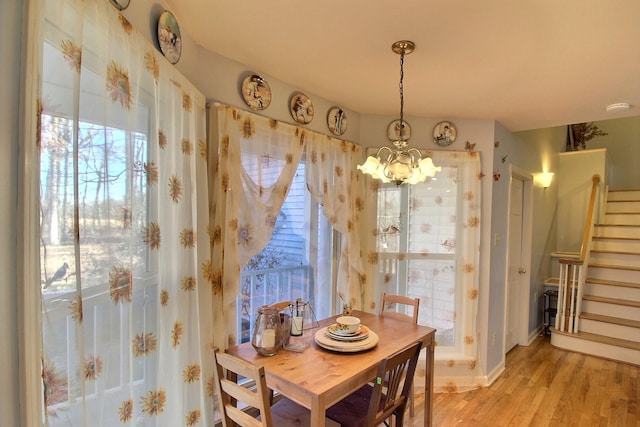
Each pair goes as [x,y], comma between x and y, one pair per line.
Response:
[399,418]
[411,398]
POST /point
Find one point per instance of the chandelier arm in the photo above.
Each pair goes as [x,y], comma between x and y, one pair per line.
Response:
[381,149]
[414,151]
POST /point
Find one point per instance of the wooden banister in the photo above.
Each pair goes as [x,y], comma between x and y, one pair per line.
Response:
[572,272]
[589,222]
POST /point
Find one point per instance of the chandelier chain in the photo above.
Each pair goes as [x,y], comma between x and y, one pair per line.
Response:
[402,95]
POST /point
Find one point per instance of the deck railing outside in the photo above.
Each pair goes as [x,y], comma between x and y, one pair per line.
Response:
[268,286]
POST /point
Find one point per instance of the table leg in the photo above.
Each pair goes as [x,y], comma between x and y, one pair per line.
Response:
[317,413]
[428,385]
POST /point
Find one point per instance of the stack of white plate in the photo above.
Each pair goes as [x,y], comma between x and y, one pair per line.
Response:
[333,338]
[335,332]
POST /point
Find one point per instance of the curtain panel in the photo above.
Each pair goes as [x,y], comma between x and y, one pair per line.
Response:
[254,160]
[463,372]
[460,369]
[125,262]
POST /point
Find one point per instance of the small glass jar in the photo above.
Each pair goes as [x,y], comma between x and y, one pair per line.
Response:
[267,331]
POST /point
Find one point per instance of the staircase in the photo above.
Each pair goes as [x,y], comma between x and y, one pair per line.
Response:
[610,319]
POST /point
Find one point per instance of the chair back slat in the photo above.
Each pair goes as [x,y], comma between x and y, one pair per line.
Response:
[393,372]
[230,393]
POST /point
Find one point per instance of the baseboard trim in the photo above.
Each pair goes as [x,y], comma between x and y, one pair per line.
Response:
[495,373]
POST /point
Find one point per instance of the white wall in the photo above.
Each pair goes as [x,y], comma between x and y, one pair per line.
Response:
[219,78]
[544,145]
[10,26]
[575,174]
[623,147]
[532,152]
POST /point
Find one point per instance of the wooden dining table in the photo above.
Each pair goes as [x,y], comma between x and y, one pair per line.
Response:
[317,378]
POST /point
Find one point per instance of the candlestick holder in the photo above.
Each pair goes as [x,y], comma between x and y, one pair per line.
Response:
[302,319]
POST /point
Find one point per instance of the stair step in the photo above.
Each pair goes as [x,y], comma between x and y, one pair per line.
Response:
[610,319]
[621,239]
[627,245]
[614,272]
[616,258]
[633,345]
[615,301]
[602,251]
[615,267]
[604,288]
[623,206]
[611,326]
[613,283]
[622,213]
[610,306]
[614,195]
[622,219]
[618,231]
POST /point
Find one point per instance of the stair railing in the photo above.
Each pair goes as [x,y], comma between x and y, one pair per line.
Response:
[573,272]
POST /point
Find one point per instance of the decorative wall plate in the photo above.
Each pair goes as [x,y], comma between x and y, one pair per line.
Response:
[444,133]
[301,108]
[169,37]
[337,121]
[120,4]
[256,92]
[395,131]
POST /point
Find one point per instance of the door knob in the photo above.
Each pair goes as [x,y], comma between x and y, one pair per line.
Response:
[521,271]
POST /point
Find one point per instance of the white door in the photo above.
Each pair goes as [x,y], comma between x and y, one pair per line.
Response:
[515,288]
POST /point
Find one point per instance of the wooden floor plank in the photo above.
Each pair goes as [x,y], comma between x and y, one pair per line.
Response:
[544,386]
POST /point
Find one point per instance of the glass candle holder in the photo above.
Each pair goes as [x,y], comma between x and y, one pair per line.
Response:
[267,332]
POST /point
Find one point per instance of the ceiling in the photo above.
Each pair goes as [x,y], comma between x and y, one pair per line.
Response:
[528,64]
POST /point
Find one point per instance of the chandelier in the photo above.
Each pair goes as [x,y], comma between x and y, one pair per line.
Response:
[400,164]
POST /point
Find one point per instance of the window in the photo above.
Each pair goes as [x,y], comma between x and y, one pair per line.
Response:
[421,235]
[296,263]
[123,206]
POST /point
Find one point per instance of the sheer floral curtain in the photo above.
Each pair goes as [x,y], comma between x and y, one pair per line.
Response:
[336,184]
[426,244]
[463,371]
[255,161]
[125,266]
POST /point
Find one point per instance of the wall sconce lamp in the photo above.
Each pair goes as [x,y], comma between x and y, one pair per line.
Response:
[545,178]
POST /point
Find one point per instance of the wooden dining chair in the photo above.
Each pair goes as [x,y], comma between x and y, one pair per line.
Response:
[283,413]
[375,403]
[389,302]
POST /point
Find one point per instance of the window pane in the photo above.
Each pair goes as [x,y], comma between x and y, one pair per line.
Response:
[416,237]
[432,215]
[111,180]
[295,264]
[433,281]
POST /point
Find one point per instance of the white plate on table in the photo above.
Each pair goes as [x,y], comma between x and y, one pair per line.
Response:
[324,341]
[336,333]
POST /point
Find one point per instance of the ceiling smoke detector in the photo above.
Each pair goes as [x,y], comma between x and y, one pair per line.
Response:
[620,106]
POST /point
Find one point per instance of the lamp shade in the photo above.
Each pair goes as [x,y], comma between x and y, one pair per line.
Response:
[545,179]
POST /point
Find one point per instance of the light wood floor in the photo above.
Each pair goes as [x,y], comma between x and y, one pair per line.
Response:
[545,386]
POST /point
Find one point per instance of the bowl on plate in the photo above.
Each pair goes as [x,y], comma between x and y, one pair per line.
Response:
[348,324]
